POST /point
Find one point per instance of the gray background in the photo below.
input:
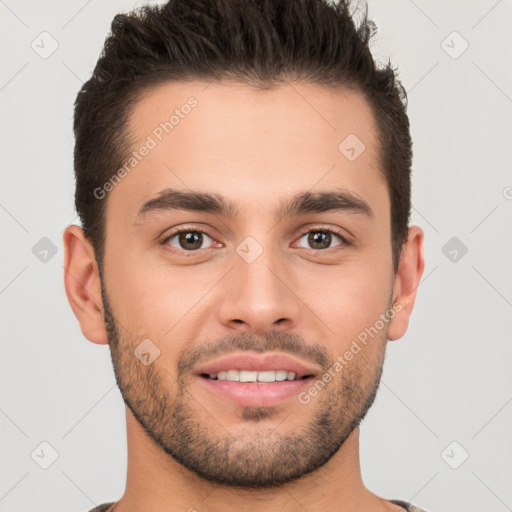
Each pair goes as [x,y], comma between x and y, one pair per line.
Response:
[446,381]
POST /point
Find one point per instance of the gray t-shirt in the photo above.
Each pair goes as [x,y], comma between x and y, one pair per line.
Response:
[406,506]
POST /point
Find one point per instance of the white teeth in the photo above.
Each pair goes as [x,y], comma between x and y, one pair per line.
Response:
[267,376]
[233,375]
[281,375]
[246,376]
[254,376]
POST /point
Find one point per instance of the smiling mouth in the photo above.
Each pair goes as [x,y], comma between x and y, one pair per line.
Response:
[256,377]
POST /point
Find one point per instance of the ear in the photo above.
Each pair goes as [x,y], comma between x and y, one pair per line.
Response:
[406,283]
[82,283]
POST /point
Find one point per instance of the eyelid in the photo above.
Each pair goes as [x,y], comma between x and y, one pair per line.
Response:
[186,229]
[329,229]
[345,241]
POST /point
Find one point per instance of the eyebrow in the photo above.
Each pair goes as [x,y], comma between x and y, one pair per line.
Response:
[302,203]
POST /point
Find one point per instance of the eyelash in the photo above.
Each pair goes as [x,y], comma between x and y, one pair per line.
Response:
[338,233]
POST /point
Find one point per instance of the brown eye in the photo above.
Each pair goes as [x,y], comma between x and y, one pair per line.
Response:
[188,240]
[320,239]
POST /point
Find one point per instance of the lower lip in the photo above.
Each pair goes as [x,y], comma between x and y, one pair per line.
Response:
[256,394]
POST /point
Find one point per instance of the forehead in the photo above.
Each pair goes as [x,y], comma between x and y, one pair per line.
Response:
[234,138]
[306,110]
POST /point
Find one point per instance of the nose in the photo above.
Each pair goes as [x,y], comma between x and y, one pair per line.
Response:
[259,296]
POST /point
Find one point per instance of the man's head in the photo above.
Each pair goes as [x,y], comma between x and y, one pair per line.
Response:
[264,217]
[263,43]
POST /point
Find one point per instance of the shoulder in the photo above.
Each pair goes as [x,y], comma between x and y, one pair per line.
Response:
[407,506]
[102,508]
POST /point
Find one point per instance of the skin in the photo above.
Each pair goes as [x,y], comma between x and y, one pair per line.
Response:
[256,149]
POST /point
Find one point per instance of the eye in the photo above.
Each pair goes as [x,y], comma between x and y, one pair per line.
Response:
[188,240]
[319,239]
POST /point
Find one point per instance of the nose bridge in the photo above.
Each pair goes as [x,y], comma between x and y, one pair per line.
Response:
[258,295]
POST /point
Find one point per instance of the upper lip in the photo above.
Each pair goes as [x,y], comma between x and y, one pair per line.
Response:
[257,362]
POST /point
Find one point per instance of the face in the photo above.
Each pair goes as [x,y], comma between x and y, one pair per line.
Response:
[284,267]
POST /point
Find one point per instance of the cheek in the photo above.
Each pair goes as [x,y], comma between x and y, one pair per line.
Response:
[137,294]
[351,301]
[154,300]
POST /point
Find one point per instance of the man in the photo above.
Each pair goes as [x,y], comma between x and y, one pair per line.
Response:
[243,182]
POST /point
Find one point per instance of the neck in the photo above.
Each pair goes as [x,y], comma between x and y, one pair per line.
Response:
[158,483]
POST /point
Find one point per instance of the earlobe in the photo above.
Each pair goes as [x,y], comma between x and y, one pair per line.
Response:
[407,279]
[82,284]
